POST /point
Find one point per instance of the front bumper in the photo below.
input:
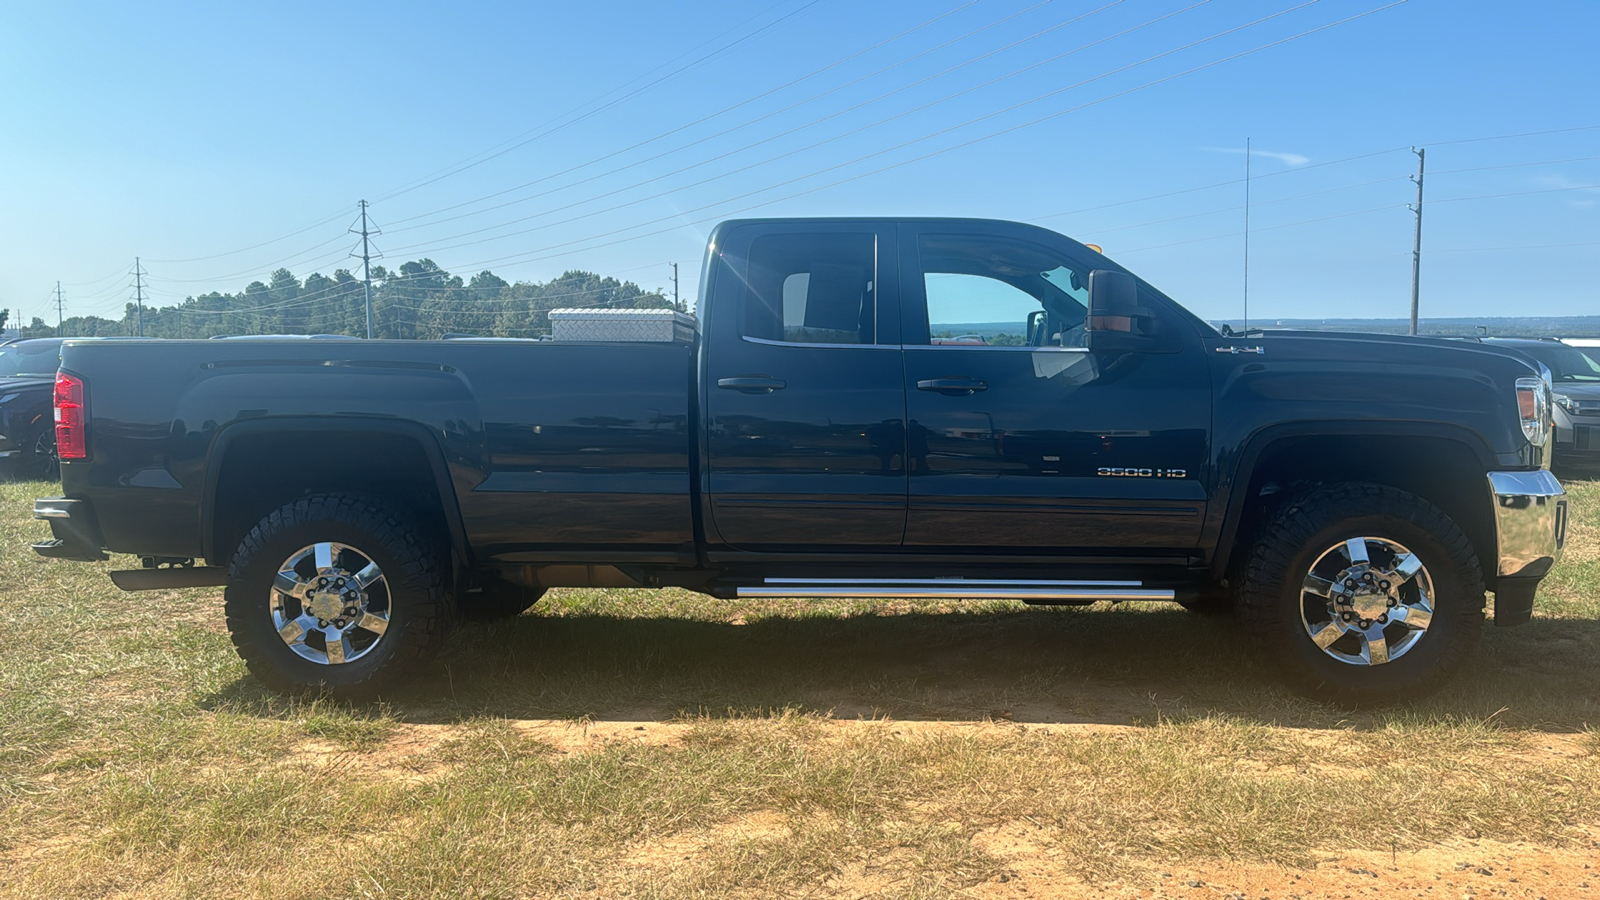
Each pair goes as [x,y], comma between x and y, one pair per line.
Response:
[76,531]
[1530,524]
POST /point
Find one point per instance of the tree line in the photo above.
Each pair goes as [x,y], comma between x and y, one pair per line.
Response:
[419,300]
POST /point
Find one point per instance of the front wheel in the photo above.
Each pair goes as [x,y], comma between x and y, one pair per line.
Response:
[336,594]
[1364,593]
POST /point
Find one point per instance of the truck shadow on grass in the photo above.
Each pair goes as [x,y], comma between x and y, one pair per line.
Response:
[1116,667]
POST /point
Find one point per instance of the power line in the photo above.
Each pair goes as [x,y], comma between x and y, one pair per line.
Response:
[876,123]
[782,134]
[678,218]
[719,51]
[727,109]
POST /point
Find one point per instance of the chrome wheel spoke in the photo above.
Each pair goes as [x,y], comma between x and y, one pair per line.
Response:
[289,583]
[338,646]
[295,632]
[1316,584]
[1406,567]
[1356,550]
[1376,650]
[1330,633]
[1417,618]
[367,576]
[374,623]
[323,554]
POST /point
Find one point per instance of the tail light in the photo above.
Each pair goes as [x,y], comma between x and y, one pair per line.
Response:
[1533,407]
[71,442]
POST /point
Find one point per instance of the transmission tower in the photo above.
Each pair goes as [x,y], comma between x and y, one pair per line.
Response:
[60,320]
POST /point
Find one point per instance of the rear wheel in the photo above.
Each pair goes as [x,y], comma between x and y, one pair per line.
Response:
[336,594]
[1364,593]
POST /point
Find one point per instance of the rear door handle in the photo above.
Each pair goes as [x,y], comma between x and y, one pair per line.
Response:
[953,386]
[752,384]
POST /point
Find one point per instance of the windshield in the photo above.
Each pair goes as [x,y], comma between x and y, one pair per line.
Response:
[29,359]
[1565,363]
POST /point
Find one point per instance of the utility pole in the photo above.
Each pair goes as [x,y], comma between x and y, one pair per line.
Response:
[60,329]
[676,303]
[1416,247]
[138,293]
[366,265]
[1247,235]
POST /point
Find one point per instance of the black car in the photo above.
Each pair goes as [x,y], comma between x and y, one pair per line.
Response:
[27,424]
[1575,376]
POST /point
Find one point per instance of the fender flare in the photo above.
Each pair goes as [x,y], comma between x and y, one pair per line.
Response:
[432,451]
[1235,490]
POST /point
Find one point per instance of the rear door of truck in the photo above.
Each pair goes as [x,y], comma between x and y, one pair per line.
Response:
[804,399]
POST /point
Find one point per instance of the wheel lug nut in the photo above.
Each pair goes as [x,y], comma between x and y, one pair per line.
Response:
[1384,585]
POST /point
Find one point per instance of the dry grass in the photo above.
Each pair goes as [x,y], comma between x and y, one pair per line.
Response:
[667,745]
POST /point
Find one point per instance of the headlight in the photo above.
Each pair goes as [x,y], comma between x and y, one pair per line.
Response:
[8,398]
[1562,400]
[1533,408]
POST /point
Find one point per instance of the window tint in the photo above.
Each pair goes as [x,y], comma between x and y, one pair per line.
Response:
[812,289]
[984,291]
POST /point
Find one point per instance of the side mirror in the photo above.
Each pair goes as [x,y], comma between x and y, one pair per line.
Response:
[1116,320]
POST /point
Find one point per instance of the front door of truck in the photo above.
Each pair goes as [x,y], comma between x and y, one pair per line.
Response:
[1019,437]
[804,405]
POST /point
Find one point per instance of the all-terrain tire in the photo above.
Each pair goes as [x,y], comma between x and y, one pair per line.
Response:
[1306,526]
[418,606]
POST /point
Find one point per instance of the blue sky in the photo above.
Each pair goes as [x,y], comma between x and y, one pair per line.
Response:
[247,132]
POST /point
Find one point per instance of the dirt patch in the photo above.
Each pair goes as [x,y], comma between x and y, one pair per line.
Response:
[1457,869]
[567,736]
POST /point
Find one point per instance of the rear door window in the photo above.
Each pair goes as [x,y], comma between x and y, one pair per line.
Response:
[812,289]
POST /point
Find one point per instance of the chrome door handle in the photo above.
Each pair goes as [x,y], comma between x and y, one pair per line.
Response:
[752,384]
[953,386]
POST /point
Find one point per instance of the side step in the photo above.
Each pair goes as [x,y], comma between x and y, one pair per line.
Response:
[171,577]
[956,588]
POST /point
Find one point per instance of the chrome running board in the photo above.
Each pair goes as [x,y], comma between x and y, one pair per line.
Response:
[955,588]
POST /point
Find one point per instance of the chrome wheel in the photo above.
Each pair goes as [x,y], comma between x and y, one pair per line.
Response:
[1367,601]
[330,603]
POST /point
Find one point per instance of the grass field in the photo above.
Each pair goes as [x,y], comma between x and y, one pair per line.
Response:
[663,744]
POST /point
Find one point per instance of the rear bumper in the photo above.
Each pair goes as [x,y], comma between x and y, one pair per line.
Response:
[75,529]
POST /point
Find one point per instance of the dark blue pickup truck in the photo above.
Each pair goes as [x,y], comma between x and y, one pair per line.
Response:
[865,408]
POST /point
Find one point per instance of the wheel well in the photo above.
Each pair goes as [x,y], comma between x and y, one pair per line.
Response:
[259,472]
[1445,472]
